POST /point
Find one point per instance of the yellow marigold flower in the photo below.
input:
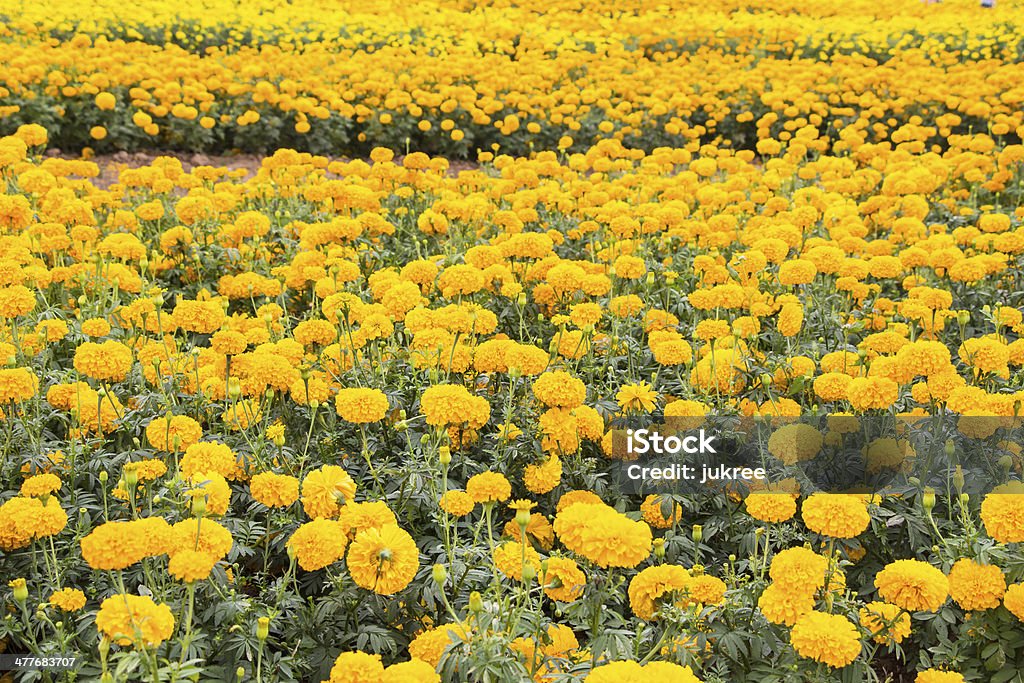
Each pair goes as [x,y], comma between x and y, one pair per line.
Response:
[489,487]
[229,342]
[1013,600]
[770,507]
[413,671]
[324,490]
[173,433]
[107,361]
[190,565]
[799,570]
[356,517]
[636,398]
[118,545]
[936,676]
[128,619]
[791,319]
[707,590]
[360,405]
[16,300]
[41,485]
[208,537]
[95,327]
[543,477]
[795,443]
[633,672]
[431,644]
[886,623]
[872,393]
[610,539]
[207,456]
[835,514]
[976,586]
[661,511]
[383,560]
[509,559]
[827,638]
[214,489]
[559,389]
[563,580]
[913,585]
[201,317]
[318,543]
[782,606]
[274,490]
[1003,515]
[457,503]
[449,404]
[68,599]
[17,385]
[797,272]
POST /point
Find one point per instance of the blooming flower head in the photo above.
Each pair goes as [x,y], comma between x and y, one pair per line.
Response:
[835,514]
[68,599]
[827,638]
[636,398]
[488,487]
[325,489]
[318,543]
[976,586]
[128,619]
[913,585]
[360,405]
[383,560]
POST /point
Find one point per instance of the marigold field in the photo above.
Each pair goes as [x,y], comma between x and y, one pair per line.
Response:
[358,416]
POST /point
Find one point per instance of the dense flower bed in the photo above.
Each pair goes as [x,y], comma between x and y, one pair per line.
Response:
[433,77]
[298,426]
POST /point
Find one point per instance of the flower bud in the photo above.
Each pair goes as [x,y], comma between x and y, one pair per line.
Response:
[476,602]
[20,590]
[659,548]
[278,440]
[199,505]
[439,574]
[950,448]
[262,628]
[928,500]
[104,477]
[529,572]
[131,478]
[240,672]
[698,533]
[958,478]
[963,317]
[444,454]
[522,518]
[1006,462]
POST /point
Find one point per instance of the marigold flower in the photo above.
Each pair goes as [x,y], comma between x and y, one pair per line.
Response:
[827,638]
[128,619]
[489,487]
[913,585]
[383,560]
[190,565]
[318,543]
[324,490]
[106,361]
[361,406]
[835,514]
[976,586]
[274,490]
[68,599]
